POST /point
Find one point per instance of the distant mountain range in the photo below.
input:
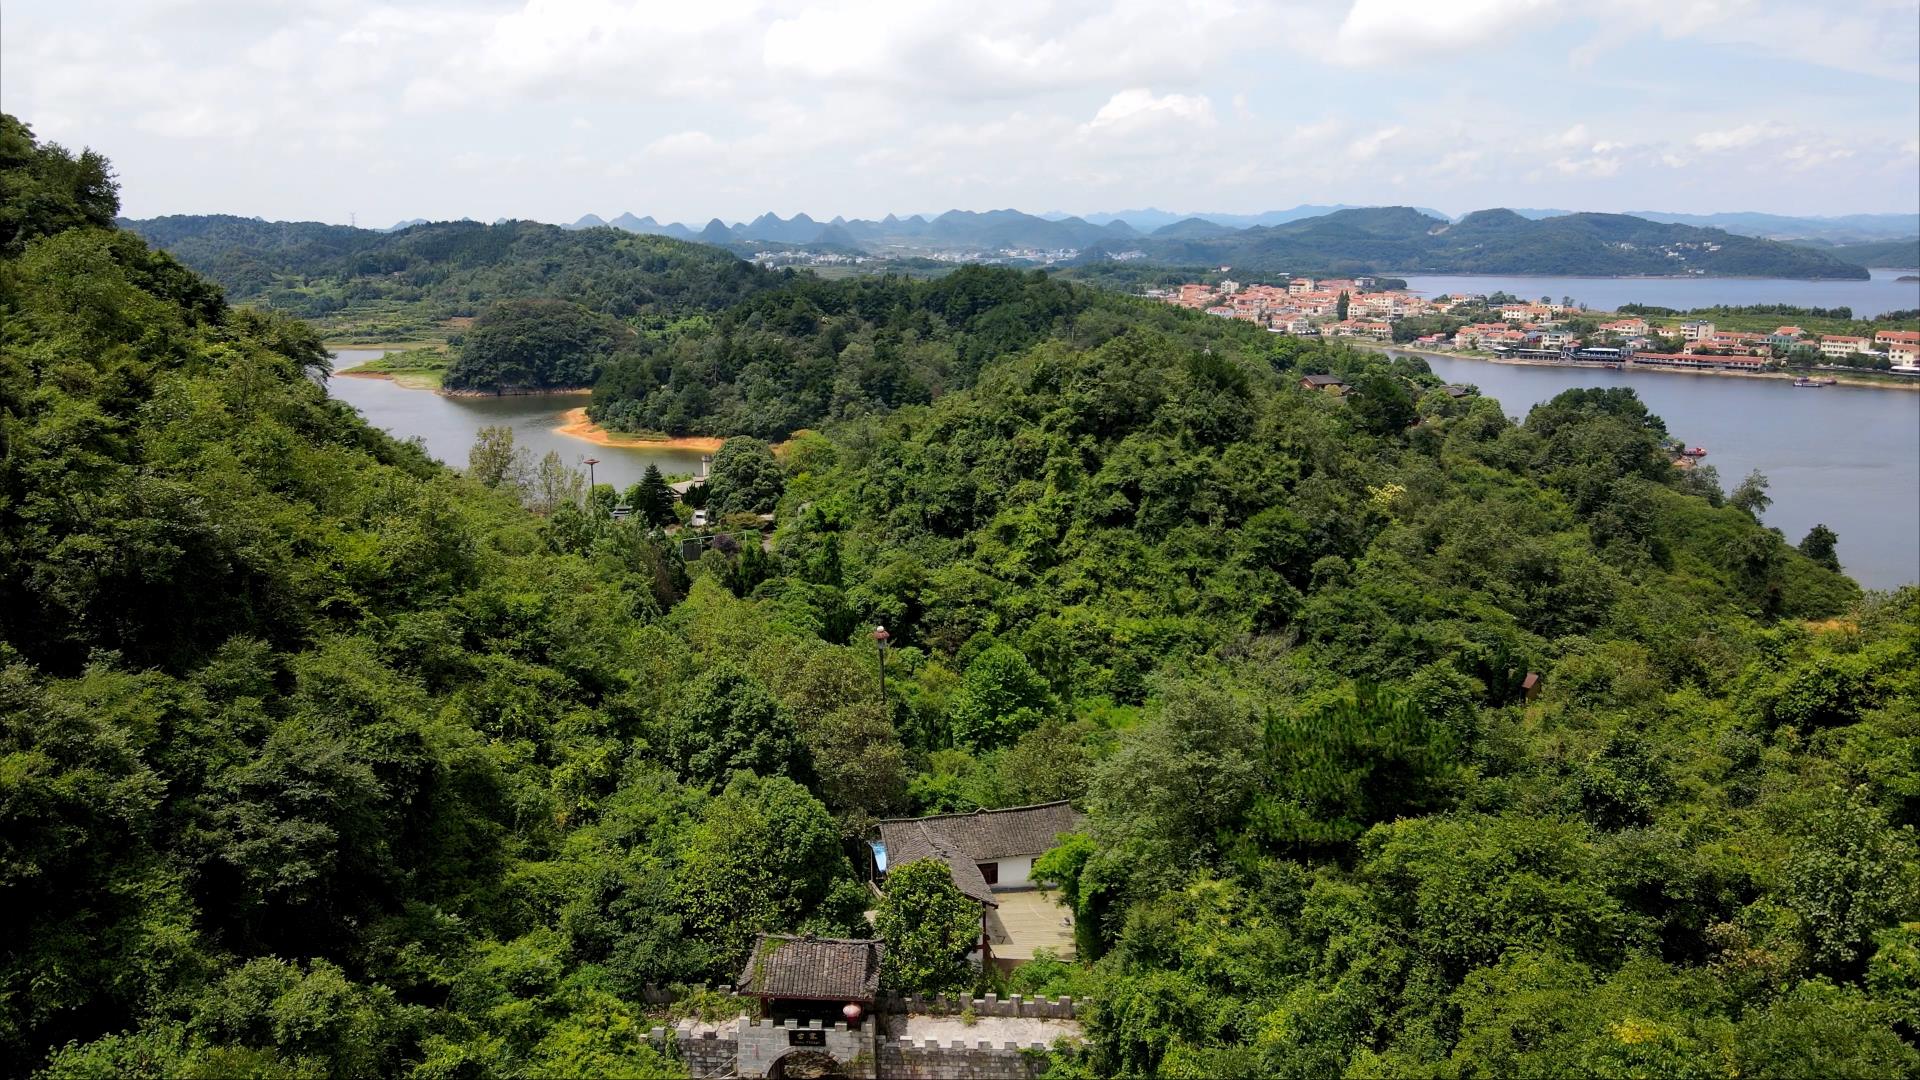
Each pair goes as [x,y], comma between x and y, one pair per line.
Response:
[1151,220]
[1403,239]
[1888,254]
[955,230]
[1306,239]
[1845,229]
[1389,240]
[1031,231]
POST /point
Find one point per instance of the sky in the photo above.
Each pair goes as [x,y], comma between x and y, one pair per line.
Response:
[338,110]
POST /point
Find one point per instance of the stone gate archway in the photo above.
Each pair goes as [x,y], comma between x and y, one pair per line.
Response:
[806,1065]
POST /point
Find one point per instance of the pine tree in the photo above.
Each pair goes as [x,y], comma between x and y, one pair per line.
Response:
[654,500]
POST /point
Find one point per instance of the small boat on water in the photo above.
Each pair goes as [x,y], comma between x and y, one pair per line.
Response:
[1695,451]
[1804,381]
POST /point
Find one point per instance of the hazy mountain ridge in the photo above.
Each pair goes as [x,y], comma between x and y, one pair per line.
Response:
[1403,239]
[1341,238]
[1903,254]
[1352,240]
[1843,229]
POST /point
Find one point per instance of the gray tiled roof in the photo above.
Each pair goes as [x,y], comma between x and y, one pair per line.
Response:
[912,841]
[962,840]
[825,969]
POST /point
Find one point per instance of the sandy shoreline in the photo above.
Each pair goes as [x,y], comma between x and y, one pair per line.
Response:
[1839,379]
[574,424]
[570,391]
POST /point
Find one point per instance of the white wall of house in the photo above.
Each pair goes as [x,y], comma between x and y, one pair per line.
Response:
[1015,873]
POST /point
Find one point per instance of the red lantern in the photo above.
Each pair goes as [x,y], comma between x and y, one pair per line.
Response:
[851,1012]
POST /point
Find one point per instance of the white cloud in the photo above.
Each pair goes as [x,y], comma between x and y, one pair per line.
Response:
[309,108]
[682,144]
[1394,31]
[1137,109]
[1876,37]
[199,121]
[1368,147]
[968,50]
[1735,138]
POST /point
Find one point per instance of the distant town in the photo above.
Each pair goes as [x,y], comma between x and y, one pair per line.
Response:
[1504,327]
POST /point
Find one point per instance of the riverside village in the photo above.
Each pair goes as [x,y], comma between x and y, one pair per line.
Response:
[1504,327]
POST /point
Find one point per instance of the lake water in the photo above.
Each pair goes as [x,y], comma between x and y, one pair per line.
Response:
[1867,298]
[447,425]
[1848,457]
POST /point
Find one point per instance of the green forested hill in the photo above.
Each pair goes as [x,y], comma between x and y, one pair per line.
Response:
[1898,254]
[417,277]
[811,351]
[321,759]
[1401,239]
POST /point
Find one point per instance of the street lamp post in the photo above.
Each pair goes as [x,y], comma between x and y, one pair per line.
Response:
[591,462]
[880,637]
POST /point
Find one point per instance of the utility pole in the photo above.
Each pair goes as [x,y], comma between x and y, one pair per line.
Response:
[880,637]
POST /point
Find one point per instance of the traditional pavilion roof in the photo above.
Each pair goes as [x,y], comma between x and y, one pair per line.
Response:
[819,969]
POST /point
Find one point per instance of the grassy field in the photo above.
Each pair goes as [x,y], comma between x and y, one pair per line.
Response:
[417,368]
[1766,324]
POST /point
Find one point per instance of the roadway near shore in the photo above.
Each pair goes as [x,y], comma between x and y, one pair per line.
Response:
[1890,382]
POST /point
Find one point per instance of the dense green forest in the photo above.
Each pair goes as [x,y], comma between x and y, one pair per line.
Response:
[322,759]
[812,351]
[406,284]
[535,344]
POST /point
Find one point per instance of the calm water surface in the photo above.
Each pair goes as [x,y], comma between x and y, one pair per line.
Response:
[1844,456]
[1866,298]
[447,425]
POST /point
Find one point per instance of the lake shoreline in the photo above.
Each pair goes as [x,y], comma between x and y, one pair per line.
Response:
[1877,294]
[415,382]
[1404,274]
[558,391]
[575,424]
[401,379]
[1839,379]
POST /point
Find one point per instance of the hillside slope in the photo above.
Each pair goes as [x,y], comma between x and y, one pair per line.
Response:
[324,760]
[422,275]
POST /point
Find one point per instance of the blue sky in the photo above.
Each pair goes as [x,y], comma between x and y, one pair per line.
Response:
[548,109]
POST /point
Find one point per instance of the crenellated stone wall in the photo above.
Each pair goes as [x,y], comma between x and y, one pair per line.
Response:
[749,1047]
[706,1053]
[904,1059]
[1060,1008]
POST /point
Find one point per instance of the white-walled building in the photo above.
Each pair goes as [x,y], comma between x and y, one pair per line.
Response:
[1840,345]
